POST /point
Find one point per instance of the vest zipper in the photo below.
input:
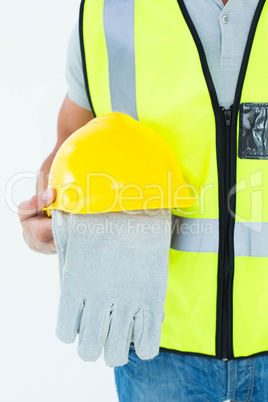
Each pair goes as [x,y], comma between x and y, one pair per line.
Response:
[224,345]
[227,266]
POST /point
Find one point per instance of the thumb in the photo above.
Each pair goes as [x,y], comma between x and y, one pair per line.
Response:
[30,208]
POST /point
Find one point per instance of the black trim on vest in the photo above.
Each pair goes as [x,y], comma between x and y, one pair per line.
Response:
[178,352]
[82,48]
[208,78]
[232,166]
[226,149]
[220,145]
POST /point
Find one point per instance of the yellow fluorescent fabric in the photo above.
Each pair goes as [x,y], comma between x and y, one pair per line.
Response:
[252,199]
[97,67]
[250,292]
[190,323]
[172,97]
[250,301]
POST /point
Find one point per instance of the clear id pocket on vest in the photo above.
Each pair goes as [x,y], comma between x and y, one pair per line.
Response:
[253,131]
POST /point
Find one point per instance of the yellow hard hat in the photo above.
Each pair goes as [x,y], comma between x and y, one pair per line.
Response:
[115,163]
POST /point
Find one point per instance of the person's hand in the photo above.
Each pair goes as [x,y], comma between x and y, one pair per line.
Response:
[37,227]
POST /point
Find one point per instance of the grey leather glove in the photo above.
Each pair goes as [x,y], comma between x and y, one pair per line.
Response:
[113,281]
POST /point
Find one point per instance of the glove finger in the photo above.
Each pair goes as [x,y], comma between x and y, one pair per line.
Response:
[119,338]
[147,334]
[93,331]
[69,317]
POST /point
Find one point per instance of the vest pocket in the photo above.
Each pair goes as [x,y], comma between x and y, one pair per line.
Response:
[253,131]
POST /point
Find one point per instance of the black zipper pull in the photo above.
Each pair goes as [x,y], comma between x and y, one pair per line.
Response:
[227,115]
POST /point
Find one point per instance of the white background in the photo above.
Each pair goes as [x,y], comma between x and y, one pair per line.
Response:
[34,365]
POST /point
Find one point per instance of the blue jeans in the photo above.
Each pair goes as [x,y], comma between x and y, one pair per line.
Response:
[172,377]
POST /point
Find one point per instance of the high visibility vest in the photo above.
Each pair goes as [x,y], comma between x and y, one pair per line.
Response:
[145,58]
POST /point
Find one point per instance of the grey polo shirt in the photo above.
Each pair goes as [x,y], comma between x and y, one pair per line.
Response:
[223,31]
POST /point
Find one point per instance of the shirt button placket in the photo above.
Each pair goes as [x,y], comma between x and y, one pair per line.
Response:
[227,48]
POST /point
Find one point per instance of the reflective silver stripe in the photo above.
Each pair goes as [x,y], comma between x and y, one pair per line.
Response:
[202,236]
[195,235]
[118,20]
[251,239]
